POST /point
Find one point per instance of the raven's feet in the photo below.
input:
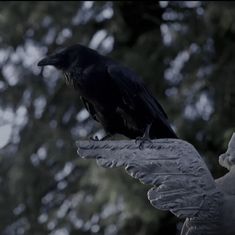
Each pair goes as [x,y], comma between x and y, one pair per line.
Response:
[144,139]
[95,138]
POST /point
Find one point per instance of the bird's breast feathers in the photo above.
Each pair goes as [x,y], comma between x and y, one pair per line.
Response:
[73,77]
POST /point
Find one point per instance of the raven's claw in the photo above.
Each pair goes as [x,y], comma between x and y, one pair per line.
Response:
[145,138]
[142,141]
[95,138]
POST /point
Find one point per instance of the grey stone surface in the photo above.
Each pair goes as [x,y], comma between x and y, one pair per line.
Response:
[180,180]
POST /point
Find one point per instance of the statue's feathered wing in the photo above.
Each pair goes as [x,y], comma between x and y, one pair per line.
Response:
[182,182]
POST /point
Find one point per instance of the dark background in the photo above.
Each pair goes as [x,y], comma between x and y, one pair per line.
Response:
[185,52]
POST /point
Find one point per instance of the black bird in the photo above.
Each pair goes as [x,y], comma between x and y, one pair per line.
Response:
[113,94]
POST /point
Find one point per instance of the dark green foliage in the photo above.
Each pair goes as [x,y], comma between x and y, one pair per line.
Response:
[184,51]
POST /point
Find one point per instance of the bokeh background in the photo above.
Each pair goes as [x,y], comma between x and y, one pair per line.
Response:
[185,52]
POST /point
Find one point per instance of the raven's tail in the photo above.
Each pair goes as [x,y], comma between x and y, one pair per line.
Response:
[161,129]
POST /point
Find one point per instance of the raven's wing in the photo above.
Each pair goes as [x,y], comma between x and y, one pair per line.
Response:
[133,91]
[90,108]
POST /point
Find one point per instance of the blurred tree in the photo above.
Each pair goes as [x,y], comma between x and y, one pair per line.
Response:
[185,53]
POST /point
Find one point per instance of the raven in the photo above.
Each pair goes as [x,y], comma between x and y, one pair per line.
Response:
[114,95]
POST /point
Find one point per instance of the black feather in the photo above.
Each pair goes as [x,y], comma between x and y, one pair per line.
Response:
[114,95]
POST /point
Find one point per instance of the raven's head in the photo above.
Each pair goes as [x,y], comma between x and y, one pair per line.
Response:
[76,55]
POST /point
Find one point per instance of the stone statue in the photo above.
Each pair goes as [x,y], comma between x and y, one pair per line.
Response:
[181,180]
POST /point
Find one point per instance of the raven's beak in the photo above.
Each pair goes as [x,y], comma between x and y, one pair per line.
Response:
[49,60]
